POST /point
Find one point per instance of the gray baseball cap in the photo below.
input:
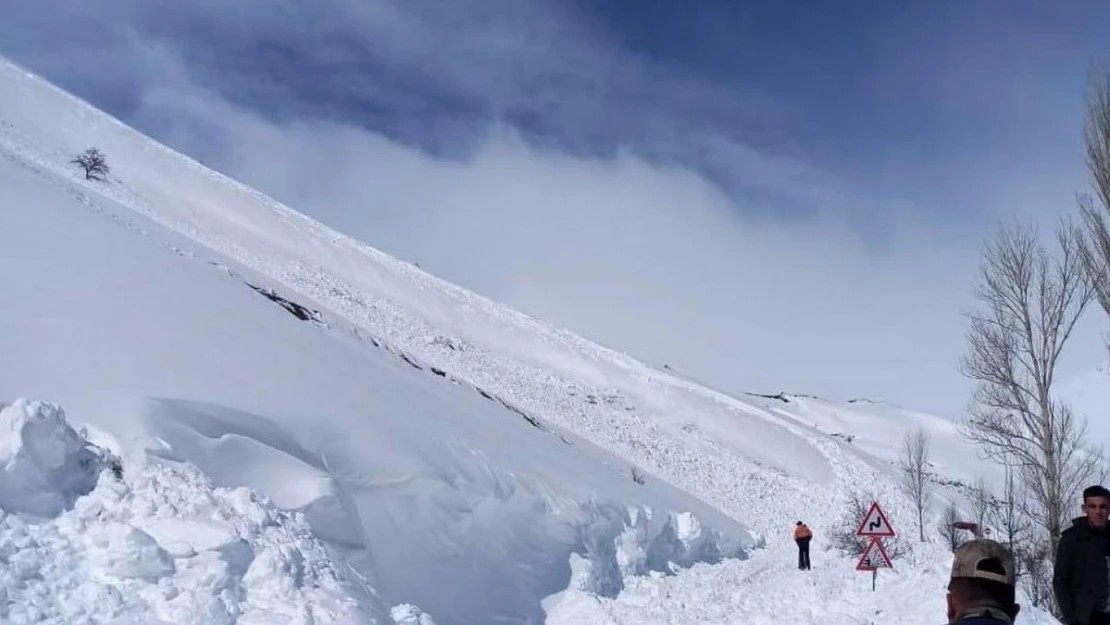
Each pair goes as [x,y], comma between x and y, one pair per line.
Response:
[984,559]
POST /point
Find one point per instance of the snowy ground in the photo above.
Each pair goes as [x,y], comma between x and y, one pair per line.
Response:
[147,543]
[767,590]
[454,452]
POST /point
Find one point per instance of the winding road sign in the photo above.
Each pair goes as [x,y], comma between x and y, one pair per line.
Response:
[875,523]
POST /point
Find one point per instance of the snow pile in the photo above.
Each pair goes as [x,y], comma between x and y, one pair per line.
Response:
[465,539]
[158,545]
[616,544]
[406,614]
[44,464]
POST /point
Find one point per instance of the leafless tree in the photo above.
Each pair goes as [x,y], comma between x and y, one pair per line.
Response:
[1102,472]
[1029,305]
[1036,560]
[843,535]
[914,461]
[1011,515]
[94,164]
[947,527]
[1095,244]
[982,502]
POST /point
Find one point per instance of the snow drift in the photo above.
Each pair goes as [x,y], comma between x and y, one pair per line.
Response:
[154,544]
[457,517]
[44,464]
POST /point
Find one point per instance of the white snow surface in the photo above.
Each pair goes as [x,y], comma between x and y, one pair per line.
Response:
[44,464]
[764,592]
[457,461]
[157,545]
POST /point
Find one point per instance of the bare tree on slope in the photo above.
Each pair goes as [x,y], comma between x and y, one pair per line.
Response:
[947,527]
[982,502]
[1011,515]
[1094,246]
[1029,305]
[914,461]
[93,162]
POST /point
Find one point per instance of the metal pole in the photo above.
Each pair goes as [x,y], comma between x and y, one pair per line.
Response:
[874,576]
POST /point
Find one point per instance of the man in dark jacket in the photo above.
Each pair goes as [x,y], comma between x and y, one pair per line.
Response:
[1080,579]
[981,588]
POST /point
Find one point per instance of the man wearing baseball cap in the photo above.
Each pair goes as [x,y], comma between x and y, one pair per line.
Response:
[981,589]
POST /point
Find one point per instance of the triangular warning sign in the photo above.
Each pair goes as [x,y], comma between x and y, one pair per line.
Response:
[875,523]
[874,557]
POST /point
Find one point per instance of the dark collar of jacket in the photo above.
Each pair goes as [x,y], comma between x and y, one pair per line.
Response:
[983,616]
[1082,530]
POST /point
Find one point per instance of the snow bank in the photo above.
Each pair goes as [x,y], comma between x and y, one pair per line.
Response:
[406,614]
[440,525]
[618,543]
[44,464]
[159,544]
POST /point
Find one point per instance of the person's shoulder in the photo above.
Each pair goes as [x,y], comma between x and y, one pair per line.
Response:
[1072,532]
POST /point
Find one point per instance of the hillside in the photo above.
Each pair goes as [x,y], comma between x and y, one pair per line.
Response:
[460,456]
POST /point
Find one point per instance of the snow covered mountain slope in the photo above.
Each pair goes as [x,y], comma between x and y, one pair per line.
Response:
[446,499]
[691,435]
[463,457]
[443,495]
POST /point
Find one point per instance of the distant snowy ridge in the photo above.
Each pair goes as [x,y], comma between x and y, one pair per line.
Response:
[158,544]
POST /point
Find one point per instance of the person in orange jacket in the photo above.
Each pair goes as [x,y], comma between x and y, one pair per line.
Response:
[802,536]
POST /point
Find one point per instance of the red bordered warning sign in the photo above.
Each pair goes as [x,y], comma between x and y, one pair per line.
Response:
[874,557]
[875,523]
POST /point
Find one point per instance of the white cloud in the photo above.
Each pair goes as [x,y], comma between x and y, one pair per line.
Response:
[651,259]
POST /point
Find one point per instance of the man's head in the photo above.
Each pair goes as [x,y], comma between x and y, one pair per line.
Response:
[982,580]
[1096,505]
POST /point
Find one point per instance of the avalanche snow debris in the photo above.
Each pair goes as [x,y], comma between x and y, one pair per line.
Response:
[44,464]
[407,614]
[161,545]
[620,543]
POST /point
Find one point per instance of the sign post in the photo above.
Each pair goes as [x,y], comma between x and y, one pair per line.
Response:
[874,526]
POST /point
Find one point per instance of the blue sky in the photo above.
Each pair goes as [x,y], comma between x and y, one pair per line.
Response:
[817,177]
